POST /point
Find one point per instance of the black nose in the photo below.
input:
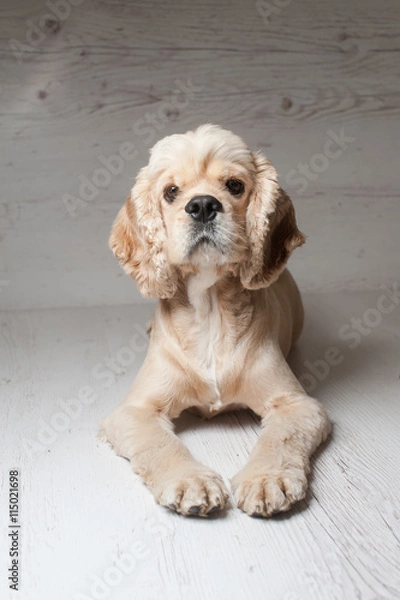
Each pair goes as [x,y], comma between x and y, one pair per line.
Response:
[203,208]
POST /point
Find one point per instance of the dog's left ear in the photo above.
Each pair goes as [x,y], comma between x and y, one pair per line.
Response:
[271,229]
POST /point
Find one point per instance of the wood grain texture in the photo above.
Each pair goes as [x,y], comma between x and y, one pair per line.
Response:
[83,509]
[282,84]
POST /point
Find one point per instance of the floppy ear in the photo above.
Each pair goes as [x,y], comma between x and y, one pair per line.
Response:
[138,238]
[271,229]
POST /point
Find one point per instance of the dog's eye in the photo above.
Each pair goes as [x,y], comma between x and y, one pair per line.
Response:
[170,193]
[235,186]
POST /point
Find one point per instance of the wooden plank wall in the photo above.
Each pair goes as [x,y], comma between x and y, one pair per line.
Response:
[74,88]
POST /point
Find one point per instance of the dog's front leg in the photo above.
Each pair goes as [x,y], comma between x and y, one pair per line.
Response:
[145,436]
[293,426]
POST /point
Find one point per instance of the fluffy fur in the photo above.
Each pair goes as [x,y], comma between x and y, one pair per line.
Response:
[228,315]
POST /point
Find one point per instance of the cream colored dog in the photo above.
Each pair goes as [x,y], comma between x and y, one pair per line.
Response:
[208,231]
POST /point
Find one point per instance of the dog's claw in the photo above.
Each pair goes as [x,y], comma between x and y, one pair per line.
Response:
[194,510]
[214,510]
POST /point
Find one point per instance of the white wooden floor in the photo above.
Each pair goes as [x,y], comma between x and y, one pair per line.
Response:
[83,511]
[71,95]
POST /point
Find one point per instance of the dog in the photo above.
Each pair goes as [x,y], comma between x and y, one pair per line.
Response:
[208,231]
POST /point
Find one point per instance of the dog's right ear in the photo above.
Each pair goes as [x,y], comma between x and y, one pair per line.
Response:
[137,240]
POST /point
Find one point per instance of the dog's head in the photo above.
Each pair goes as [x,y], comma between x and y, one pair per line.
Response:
[204,199]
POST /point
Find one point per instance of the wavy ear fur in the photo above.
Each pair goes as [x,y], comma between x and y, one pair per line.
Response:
[138,240]
[271,229]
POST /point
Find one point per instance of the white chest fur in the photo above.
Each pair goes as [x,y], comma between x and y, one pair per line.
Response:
[203,298]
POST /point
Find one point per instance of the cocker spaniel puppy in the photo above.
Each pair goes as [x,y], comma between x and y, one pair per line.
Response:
[208,231]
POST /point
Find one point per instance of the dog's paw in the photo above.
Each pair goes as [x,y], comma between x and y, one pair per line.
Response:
[262,493]
[193,492]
